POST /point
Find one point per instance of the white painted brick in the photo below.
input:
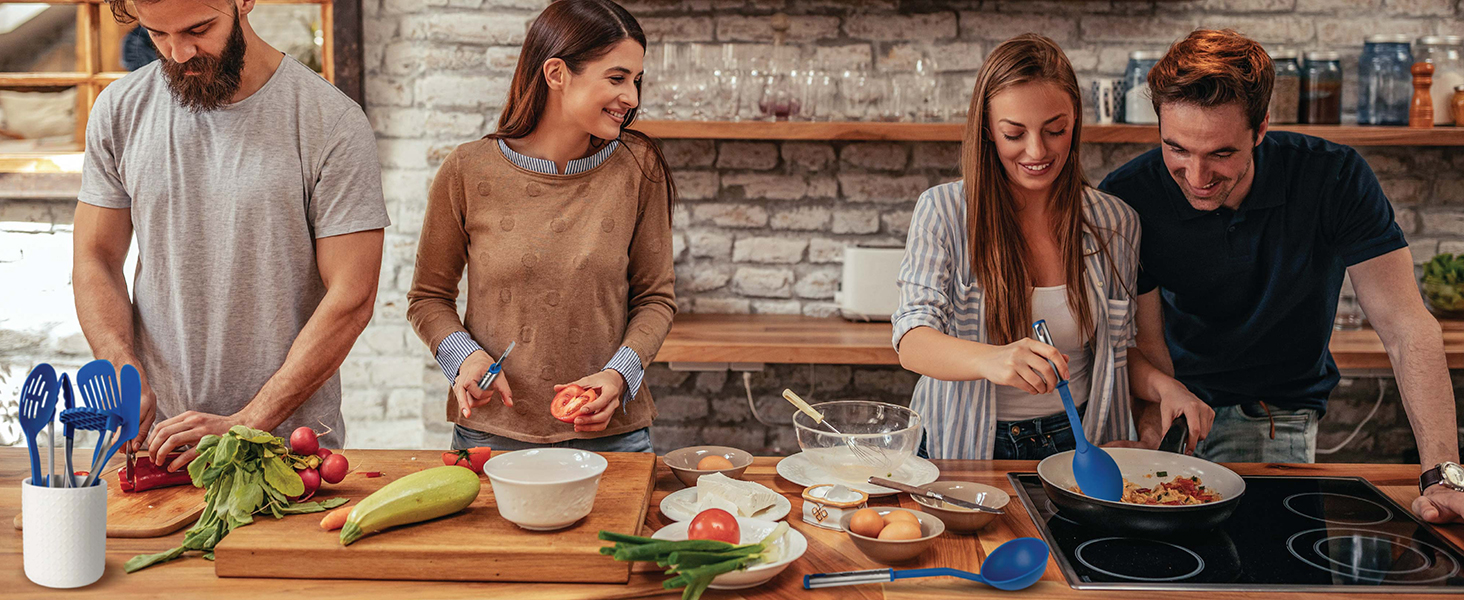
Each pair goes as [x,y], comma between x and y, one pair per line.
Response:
[1404,191]
[696,185]
[822,186]
[824,250]
[467,28]
[404,403]
[878,156]
[460,91]
[1421,8]
[705,278]
[856,221]
[402,154]
[1337,7]
[759,156]
[900,57]
[722,306]
[1112,60]
[455,125]
[819,284]
[769,250]
[821,310]
[802,29]
[388,92]
[394,434]
[813,156]
[464,3]
[936,155]
[958,56]
[731,215]
[689,153]
[385,340]
[520,4]
[710,244]
[1166,30]
[360,405]
[391,7]
[396,122]
[847,56]
[1083,58]
[888,27]
[765,186]
[803,218]
[763,283]
[999,27]
[401,184]
[1350,33]
[677,29]
[396,372]
[776,307]
[1441,223]
[501,58]
[897,223]
[1266,29]
[860,187]
[680,215]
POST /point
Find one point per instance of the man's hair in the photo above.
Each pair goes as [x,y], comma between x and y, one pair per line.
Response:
[1214,68]
[120,12]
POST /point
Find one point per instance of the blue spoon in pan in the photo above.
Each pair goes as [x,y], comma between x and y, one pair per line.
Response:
[1095,470]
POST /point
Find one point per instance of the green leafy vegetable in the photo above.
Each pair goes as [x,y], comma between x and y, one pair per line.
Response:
[1443,278]
[693,563]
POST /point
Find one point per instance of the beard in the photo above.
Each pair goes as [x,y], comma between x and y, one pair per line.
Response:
[217,77]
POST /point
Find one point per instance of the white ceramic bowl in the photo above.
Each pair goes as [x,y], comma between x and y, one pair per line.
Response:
[544,489]
[753,531]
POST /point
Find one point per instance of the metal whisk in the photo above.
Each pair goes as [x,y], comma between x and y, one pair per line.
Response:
[861,451]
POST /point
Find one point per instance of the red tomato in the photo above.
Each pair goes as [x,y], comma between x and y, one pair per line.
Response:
[714,524]
[472,458]
[568,402]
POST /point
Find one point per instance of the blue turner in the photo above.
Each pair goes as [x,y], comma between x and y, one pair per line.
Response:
[97,382]
[127,411]
[1097,474]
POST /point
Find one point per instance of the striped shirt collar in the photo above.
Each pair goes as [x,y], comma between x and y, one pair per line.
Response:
[547,167]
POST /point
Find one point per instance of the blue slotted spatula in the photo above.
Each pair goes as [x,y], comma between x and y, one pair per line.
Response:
[1097,474]
[37,408]
[127,411]
[97,382]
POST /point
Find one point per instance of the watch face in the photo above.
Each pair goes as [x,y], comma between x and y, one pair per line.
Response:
[1453,475]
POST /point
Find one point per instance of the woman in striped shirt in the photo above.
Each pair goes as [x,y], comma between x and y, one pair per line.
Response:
[1023,237]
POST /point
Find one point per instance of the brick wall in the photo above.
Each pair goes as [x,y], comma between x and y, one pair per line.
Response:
[762,224]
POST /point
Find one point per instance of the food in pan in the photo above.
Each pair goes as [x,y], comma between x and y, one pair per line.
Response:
[1177,492]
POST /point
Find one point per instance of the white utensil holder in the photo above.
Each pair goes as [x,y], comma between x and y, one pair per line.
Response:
[65,535]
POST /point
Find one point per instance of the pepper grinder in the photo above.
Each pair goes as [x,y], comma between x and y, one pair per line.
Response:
[1420,112]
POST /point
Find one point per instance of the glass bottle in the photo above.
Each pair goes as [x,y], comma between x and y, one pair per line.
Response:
[1384,83]
[1286,93]
[1321,89]
[1443,51]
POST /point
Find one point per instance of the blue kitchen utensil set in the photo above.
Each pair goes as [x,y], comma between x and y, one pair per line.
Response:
[108,408]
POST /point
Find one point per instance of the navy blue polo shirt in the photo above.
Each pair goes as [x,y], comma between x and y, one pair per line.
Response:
[1249,295]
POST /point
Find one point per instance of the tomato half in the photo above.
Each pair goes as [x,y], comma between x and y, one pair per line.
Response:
[715,524]
[568,402]
[472,458]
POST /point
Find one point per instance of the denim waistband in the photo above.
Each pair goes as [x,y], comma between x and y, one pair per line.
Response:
[1038,426]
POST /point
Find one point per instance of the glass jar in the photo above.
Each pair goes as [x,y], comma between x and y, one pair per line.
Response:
[1384,80]
[1138,104]
[1443,51]
[1286,93]
[1321,89]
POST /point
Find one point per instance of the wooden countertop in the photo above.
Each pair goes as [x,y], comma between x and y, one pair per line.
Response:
[194,577]
[803,340]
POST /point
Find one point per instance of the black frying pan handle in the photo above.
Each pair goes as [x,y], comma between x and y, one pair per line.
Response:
[1174,438]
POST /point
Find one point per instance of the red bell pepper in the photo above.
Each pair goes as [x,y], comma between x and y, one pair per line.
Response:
[142,475]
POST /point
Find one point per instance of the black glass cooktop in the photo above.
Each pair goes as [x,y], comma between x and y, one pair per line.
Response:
[1337,534]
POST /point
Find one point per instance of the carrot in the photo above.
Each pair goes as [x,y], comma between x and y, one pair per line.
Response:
[335,519]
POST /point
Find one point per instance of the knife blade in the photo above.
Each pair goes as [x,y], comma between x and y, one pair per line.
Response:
[497,368]
[934,495]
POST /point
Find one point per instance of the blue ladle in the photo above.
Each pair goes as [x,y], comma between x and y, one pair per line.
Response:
[1014,565]
[1098,476]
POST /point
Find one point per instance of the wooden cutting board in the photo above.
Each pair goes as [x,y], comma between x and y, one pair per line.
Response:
[149,514]
[473,545]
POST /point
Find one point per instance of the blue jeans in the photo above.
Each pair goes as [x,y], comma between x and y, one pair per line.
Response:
[1242,433]
[1033,439]
[632,441]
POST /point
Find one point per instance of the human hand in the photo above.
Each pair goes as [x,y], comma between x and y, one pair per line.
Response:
[595,416]
[1439,504]
[1023,364]
[465,387]
[1176,400]
[185,429]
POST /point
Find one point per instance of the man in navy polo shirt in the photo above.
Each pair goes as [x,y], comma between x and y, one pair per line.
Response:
[1246,238]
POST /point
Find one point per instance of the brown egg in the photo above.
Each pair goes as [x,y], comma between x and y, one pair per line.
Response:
[900,515]
[714,462]
[901,530]
[866,522]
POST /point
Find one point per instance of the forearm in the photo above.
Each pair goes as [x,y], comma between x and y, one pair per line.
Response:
[104,310]
[314,357]
[1146,381]
[1422,372]
[940,356]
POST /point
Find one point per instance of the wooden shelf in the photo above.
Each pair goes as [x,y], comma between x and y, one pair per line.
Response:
[807,340]
[1350,135]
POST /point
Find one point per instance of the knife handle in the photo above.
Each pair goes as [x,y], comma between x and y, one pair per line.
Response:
[823,580]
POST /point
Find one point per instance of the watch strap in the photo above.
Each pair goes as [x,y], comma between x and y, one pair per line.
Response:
[1430,478]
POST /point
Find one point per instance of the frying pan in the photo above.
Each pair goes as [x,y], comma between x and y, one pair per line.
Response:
[1056,472]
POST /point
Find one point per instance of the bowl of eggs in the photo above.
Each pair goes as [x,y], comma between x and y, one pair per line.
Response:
[689,464]
[892,535]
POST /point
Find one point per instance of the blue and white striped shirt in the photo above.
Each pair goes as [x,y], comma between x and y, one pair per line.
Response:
[456,347]
[937,290]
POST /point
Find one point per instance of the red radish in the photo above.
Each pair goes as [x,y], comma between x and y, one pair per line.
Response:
[304,441]
[311,478]
[323,452]
[333,469]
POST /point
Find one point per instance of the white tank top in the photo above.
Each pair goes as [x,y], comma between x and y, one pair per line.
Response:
[1050,304]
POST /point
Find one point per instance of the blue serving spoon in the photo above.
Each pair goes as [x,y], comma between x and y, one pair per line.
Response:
[1097,474]
[1014,565]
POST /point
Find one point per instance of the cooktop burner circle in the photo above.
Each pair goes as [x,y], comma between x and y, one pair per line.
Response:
[1397,563]
[1342,510]
[1135,544]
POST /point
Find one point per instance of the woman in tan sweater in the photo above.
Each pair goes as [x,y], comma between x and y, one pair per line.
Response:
[561,220]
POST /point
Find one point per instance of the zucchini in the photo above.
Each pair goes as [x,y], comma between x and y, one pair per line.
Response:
[423,495]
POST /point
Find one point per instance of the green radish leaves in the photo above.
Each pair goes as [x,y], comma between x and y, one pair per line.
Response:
[282,478]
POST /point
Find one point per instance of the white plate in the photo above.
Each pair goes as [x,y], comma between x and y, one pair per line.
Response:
[680,505]
[753,531]
[915,471]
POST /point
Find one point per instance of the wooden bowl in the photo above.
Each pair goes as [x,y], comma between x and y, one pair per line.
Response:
[892,551]
[683,462]
[963,520]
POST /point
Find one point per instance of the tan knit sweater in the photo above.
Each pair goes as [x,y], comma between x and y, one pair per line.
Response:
[572,267]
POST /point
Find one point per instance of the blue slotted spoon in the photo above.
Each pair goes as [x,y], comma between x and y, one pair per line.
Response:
[127,411]
[97,382]
[37,408]
[1097,474]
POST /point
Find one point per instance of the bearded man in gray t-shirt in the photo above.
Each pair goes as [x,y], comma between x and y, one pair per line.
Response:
[253,187]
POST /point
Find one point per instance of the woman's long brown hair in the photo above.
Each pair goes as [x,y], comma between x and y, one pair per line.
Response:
[577,32]
[994,237]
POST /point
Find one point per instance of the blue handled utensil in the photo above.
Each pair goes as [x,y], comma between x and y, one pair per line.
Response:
[67,430]
[1014,565]
[1097,474]
[97,382]
[127,411]
[84,418]
[37,408]
[497,368]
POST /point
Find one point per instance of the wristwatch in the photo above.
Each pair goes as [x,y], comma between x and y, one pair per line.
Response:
[1447,474]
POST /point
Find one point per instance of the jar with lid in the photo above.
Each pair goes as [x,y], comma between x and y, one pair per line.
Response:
[1385,83]
[1286,93]
[1443,51]
[1138,107]
[1321,89]
[1458,106]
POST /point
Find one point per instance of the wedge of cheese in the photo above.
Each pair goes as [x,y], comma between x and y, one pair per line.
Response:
[741,498]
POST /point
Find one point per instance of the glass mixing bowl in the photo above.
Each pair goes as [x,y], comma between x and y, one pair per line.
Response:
[874,438]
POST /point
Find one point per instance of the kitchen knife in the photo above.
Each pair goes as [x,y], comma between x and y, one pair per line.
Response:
[497,368]
[934,495]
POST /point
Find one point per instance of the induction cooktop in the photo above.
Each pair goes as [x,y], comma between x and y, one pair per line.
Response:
[1337,534]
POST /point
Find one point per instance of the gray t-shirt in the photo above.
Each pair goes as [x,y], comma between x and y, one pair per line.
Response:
[227,205]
